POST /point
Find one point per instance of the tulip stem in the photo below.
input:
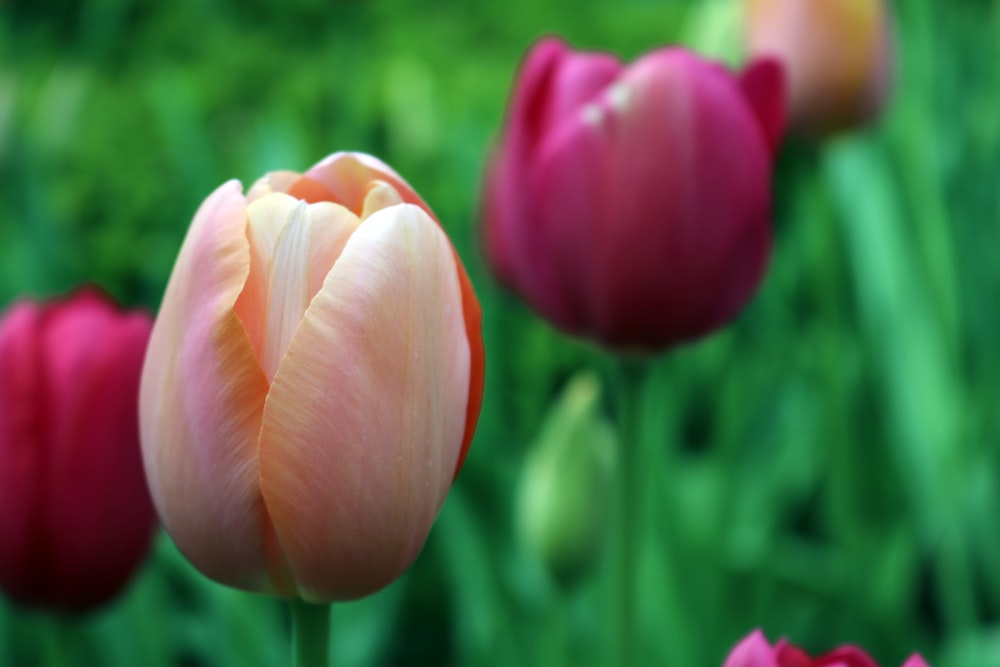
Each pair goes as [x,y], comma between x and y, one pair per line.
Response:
[57,649]
[310,634]
[630,491]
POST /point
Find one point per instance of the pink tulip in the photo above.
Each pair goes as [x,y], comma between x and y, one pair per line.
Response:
[75,515]
[312,383]
[631,205]
[755,651]
[838,55]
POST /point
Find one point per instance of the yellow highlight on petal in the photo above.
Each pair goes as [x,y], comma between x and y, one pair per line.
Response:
[380,195]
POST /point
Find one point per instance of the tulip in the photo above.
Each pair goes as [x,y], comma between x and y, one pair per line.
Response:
[755,651]
[312,383]
[631,205]
[837,54]
[562,512]
[75,515]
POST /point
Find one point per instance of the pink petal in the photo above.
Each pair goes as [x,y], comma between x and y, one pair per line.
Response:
[365,420]
[202,399]
[752,651]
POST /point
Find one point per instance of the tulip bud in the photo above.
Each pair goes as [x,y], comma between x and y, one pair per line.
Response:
[631,205]
[312,383]
[837,54]
[75,515]
[755,651]
[565,489]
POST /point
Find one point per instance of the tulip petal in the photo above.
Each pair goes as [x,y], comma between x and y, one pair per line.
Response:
[552,86]
[844,656]
[356,453]
[380,195]
[92,354]
[763,83]
[752,651]
[274,181]
[354,168]
[22,421]
[915,660]
[201,401]
[576,80]
[348,176]
[473,316]
[293,245]
[504,213]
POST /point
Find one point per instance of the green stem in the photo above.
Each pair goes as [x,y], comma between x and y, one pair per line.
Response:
[56,642]
[631,374]
[310,633]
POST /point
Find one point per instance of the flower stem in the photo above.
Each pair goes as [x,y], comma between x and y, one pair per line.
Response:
[630,491]
[310,633]
[58,635]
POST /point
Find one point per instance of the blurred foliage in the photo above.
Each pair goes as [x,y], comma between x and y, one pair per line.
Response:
[828,465]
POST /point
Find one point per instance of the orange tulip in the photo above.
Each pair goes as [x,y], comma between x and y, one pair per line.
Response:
[313,381]
[837,54]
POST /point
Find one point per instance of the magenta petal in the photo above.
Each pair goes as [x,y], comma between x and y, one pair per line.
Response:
[553,84]
[21,419]
[76,516]
[763,83]
[99,511]
[845,656]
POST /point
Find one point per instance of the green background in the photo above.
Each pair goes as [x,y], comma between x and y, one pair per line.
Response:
[825,469]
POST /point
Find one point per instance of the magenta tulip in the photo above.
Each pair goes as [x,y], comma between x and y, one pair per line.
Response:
[75,514]
[313,381]
[631,205]
[755,651]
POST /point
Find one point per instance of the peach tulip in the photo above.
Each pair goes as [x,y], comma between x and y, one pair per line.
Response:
[313,381]
[838,55]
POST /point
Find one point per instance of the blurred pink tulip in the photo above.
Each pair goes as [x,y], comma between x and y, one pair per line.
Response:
[838,55]
[755,651]
[631,205]
[312,383]
[75,515]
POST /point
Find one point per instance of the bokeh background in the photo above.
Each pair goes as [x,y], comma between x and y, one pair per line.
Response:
[827,467]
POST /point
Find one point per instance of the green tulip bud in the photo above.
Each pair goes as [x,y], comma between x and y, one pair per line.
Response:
[565,495]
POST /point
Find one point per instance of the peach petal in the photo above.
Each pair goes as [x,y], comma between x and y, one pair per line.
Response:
[380,195]
[358,168]
[293,246]
[275,181]
[356,454]
[349,175]
[201,402]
